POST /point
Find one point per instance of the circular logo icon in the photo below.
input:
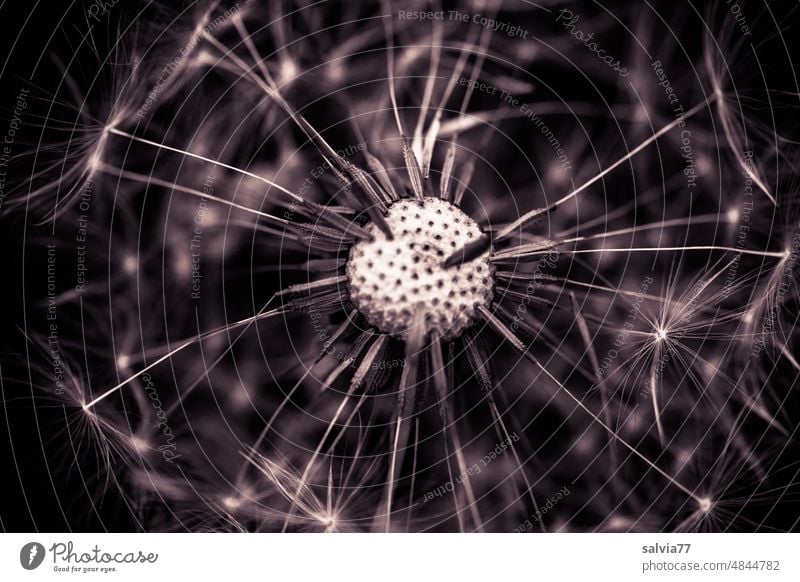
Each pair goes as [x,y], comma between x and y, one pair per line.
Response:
[31,555]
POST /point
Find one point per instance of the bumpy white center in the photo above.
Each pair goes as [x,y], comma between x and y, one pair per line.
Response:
[392,280]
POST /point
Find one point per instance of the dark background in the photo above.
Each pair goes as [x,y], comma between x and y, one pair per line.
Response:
[34,497]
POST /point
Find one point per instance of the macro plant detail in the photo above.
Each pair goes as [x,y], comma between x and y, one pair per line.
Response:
[347,267]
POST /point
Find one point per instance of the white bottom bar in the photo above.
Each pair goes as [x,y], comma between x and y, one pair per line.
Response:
[401,557]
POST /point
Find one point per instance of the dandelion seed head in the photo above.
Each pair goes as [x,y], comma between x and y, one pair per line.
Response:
[705,504]
[391,279]
[660,334]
